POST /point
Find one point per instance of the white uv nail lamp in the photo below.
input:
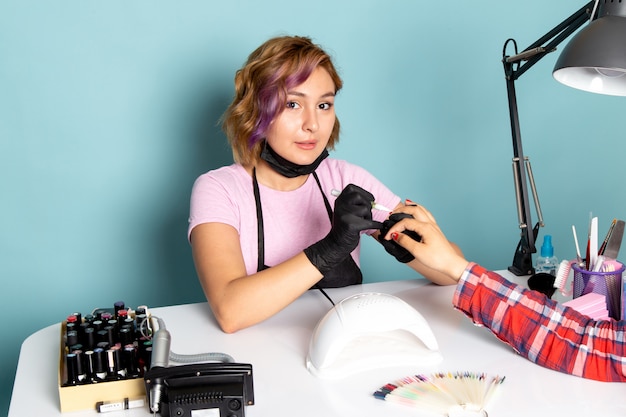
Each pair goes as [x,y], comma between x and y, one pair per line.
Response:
[369,331]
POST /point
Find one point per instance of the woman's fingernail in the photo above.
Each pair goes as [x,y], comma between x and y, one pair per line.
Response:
[394,236]
[409,201]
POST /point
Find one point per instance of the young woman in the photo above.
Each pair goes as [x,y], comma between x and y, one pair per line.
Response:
[267,228]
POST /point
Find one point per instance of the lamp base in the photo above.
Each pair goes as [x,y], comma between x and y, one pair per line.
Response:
[521,272]
[523,258]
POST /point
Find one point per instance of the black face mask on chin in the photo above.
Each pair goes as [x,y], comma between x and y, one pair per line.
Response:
[287,168]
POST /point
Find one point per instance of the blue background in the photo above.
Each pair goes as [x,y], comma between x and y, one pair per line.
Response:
[109,110]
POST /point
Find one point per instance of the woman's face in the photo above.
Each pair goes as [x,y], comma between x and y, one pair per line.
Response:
[302,131]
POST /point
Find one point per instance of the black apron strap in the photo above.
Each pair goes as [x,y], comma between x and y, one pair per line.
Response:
[259,224]
[326,203]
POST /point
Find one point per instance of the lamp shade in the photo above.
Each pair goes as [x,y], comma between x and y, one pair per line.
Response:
[595,59]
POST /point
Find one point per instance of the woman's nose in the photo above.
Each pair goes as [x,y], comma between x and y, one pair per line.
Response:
[310,122]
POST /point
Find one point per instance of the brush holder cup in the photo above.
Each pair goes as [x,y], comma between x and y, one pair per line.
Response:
[607,282]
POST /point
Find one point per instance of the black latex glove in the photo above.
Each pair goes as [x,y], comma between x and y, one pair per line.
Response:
[352,214]
[392,246]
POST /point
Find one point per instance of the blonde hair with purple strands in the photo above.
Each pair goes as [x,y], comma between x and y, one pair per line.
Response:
[261,87]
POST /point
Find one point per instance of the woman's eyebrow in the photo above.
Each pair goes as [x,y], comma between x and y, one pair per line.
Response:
[300,94]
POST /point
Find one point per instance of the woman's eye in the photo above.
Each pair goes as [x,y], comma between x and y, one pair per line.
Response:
[325,106]
[292,105]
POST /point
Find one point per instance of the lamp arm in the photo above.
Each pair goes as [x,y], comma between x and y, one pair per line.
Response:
[533,188]
[548,42]
[514,67]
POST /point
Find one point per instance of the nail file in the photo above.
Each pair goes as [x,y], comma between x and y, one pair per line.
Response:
[615,241]
[593,244]
[606,239]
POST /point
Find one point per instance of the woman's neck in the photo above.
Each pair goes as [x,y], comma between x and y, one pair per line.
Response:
[267,176]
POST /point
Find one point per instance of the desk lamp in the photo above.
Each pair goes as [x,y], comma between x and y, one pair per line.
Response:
[595,61]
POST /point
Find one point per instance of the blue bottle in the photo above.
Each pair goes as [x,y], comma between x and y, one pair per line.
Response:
[547,262]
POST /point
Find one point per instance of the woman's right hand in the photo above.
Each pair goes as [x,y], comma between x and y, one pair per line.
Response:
[434,250]
[352,214]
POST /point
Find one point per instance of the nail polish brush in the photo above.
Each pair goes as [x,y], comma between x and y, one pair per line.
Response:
[375,205]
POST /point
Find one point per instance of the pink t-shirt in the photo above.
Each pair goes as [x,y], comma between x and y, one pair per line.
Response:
[292,220]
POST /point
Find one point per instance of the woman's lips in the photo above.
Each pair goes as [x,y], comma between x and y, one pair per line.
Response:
[306,145]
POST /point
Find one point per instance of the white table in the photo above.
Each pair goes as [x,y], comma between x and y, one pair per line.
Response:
[277,349]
